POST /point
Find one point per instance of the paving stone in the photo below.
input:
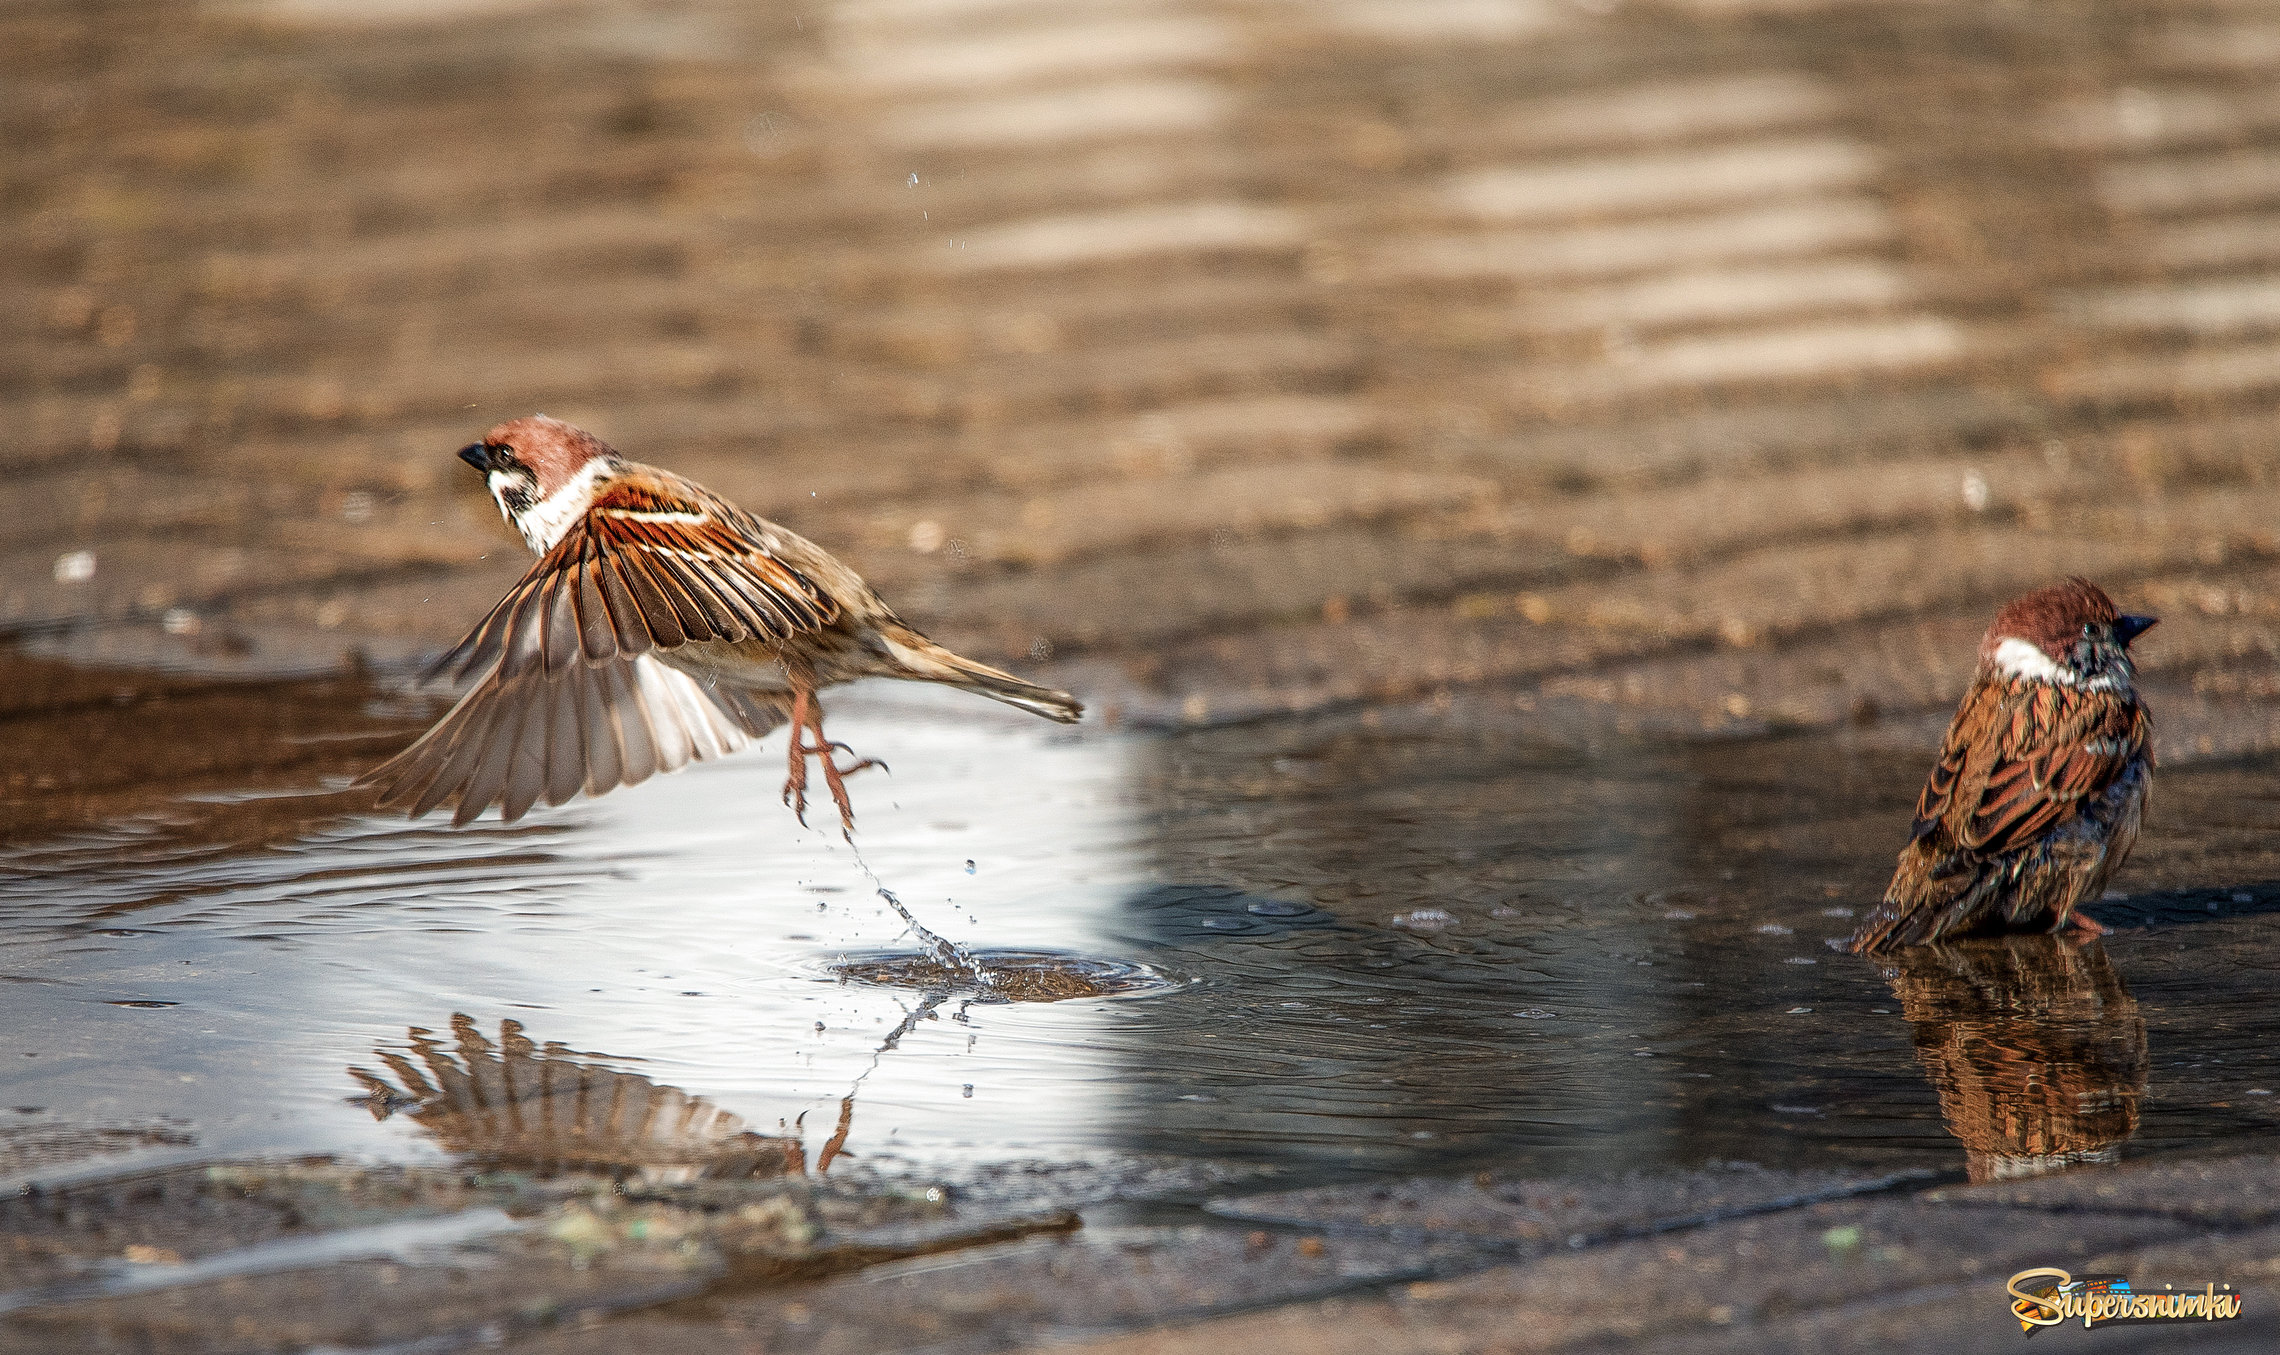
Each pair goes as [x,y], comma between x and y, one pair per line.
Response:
[1097,1279]
[1538,1212]
[1747,1271]
[284,1256]
[2229,1192]
[1972,1316]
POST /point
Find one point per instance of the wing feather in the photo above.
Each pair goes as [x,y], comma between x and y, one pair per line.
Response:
[566,742]
[461,747]
[2016,763]
[605,762]
[513,741]
[627,623]
[638,739]
[596,630]
[571,696]
[651,598]
[655,563]
[526,763]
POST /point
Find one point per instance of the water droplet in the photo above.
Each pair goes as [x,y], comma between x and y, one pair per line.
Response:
[969,865]
[1800,1011]
[1534,1014]
[1277,908]
[141,1003]
[967,1091]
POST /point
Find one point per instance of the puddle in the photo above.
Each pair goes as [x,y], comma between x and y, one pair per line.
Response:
[1317,947]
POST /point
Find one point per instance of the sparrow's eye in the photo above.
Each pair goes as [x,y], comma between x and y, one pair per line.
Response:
[2089,630]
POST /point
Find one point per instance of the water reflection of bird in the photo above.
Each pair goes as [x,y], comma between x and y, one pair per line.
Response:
[2037,1050]
[661,624]
[2036,797]
[534,1107]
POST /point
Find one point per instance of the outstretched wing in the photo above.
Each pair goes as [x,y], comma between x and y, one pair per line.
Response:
[655,563]
[538,735]
[2018,762]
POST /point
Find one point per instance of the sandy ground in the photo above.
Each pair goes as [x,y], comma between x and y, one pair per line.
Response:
[1718,364]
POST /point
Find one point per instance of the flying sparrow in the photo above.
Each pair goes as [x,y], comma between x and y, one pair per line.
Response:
[661,624]
[2036,798]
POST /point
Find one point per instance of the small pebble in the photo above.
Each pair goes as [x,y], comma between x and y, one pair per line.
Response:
[1425,919]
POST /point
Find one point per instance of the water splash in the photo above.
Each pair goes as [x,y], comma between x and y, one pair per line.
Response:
[946,952]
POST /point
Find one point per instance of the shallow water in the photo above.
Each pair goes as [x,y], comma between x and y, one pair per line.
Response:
[1321,947]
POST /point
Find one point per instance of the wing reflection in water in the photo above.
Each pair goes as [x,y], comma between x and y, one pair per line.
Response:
[519,1104]
[2036,1048]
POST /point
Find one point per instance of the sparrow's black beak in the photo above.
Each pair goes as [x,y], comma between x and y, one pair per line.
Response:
[478,455]
[2128,628]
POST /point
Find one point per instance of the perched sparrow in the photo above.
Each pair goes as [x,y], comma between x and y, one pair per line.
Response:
[662,623]
[2036,798]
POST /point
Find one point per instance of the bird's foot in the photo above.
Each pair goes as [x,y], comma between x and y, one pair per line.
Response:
[2083,925]
[834,775]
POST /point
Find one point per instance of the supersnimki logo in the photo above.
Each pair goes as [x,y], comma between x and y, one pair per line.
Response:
[2047,1296]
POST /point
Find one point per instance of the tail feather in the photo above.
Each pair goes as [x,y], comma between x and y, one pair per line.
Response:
[1932,897]
[930,662]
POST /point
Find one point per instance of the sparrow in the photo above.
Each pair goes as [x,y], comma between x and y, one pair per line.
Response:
[2040,784]
[661,624]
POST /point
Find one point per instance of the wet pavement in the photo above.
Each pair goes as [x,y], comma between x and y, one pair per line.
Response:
[1519,483]
[660,1064]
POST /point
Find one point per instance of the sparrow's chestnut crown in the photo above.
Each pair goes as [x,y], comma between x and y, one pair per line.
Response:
[550,451]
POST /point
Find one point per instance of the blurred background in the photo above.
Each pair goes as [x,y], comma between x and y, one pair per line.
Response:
[1476,383]
[1708,364]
